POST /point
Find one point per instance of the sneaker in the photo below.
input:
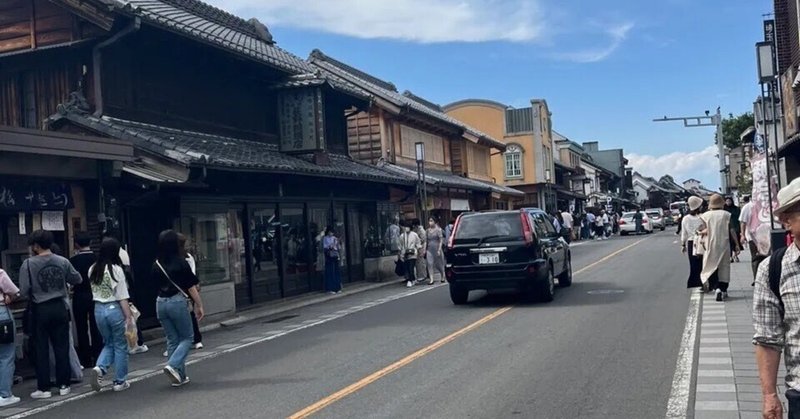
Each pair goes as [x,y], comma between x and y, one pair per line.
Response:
[166,353]
[8,401]
[64,390]
[38,394]
[198,345]
[724,295]
[97,378]
[719,295]
[138,350]
[182,383]
[409,284]
[122,386]
[173,375]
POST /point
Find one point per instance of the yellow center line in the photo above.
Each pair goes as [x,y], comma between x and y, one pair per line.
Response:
[366,381]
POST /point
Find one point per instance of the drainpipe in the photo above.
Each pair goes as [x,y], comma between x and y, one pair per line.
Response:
[97,62]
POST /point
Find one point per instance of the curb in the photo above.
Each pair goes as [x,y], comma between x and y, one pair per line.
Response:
[155,335]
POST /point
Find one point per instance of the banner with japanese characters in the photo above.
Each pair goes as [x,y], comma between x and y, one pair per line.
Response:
[33,195]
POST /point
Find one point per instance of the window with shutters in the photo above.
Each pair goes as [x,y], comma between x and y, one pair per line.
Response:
[513,161]
[478,159]
[434,145]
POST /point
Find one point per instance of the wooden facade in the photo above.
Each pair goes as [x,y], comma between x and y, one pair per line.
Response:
[32,24]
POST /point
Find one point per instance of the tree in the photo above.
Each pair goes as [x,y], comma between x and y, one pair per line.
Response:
[732,128]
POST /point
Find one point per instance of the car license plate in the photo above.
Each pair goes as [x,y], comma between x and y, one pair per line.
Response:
[488,258]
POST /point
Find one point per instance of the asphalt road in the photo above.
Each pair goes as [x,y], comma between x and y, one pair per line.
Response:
[605,348]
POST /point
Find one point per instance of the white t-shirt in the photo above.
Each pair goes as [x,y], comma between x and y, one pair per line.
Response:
[192,263]
[744,217]
[568,220]
[124,257]
[110,289]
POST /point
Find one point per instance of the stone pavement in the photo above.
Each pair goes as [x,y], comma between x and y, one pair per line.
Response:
[727,376]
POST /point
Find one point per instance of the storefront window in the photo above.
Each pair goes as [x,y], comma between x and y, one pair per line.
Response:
[294,236]
[380,235]
[266,252]
[216,242]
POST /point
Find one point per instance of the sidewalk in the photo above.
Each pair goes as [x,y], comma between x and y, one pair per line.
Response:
[264,323]
[727,375]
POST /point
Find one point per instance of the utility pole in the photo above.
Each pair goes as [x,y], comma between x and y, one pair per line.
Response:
[708,121]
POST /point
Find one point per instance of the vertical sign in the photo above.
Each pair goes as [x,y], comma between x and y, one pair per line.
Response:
[769,36]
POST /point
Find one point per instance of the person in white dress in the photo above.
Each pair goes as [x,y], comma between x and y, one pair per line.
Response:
[718,236]
[690,225]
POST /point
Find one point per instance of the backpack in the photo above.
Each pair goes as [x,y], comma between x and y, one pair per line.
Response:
[775,268]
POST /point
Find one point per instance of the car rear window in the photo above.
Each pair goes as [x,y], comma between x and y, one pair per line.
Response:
[653,214]
[489,225]
[627,216]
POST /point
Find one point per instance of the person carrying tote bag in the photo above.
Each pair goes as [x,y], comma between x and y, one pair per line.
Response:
[177,289]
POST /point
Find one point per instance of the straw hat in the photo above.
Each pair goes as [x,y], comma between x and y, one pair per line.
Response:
[716,202]
[695,202]
[788,196]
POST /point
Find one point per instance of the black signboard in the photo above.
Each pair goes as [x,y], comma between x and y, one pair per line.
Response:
[34,195]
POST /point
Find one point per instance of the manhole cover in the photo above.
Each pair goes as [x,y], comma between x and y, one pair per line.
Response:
[605,292]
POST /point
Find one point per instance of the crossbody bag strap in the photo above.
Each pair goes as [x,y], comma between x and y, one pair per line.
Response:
[171,281]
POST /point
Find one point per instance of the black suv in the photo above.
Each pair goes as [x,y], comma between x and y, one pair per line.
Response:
[507,250]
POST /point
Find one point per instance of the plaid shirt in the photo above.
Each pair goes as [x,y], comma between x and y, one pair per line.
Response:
[772,329]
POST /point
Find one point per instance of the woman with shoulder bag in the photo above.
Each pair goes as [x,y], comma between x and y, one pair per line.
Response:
[690,225]
[410,244]
[112,312]
[8,349]
[332,249]
[177,289]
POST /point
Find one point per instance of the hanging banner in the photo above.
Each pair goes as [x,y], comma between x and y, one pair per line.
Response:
[760,219]
[53,220]
[21,218]
[34,195]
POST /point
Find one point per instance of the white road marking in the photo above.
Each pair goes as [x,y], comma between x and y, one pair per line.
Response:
[678,405]
[220,352]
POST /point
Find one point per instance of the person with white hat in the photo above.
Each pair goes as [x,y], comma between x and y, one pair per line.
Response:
[776,315]
[718,236]
[690,225]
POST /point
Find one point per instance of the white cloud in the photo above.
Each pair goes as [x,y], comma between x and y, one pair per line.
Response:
[423,21]
[617,34]
[702,165]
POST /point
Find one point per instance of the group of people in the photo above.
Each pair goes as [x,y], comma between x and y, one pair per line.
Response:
[104,315]
[420,251]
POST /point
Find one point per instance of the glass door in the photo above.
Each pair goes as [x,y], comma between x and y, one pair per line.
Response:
[296,249]
[356,241]
[265,253]
[339,226]
[319,216]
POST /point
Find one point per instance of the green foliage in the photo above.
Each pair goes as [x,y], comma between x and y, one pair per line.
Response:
[745,182]
[733,126]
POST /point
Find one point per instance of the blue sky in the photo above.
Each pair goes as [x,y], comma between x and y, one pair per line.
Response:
[606,68]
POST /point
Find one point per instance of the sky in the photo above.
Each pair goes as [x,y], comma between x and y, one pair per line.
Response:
[606,68]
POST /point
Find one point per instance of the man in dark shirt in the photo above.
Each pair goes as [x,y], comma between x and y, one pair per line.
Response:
[90,343]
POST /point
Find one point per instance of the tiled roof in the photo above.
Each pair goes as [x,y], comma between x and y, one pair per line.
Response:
[225,152]
[449,180]
[318,79]
[206,23]
[388,92]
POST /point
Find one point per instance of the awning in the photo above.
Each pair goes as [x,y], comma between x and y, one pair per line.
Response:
[31,141]
[156,172]
[790,147]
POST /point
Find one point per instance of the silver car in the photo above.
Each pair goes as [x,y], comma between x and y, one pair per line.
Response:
[656,216]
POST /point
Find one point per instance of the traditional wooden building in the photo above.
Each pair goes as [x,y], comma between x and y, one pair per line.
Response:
[237,143]
[457,157]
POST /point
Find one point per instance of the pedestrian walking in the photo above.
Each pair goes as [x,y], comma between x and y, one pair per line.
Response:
[569,224]
[410,245]
[197,341]
[422,265]
[332,249]
[776,312]
[8,347]
[434,254]
[448,230]
[735,226]
[638,218]
[599,227]
[113,313]
[90,343]
[177,290]
[43,278]
[748,235]
[691,224]
[606,226]
[716,273]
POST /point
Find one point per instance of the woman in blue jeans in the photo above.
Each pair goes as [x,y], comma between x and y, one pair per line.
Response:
[8,351]
[177,289]
[112,313]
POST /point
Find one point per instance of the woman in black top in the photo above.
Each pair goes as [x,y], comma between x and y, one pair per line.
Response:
[176,285]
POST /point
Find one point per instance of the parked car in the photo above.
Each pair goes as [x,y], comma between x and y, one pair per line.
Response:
[507,250]
[656,216]
[628,226]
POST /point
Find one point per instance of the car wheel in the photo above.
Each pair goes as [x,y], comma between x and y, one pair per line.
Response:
[548,288]
[458,295]
[663,228]
[623,233]
[565,279]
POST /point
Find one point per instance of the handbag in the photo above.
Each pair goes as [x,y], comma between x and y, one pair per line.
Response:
[188,298]
[699,245]
[7,334]
[399,268]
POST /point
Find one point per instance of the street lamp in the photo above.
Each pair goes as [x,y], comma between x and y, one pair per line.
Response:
[422,190]
[547,176]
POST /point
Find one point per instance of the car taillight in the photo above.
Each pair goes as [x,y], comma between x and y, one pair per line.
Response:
[644,221]
[527,230]
[622,222]
[453,233]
